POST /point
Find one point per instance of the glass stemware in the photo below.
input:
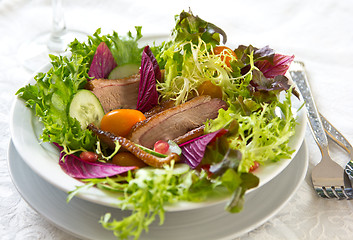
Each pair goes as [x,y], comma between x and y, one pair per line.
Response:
[35,53]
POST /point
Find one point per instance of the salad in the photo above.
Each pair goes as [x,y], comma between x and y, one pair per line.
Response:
[186,120]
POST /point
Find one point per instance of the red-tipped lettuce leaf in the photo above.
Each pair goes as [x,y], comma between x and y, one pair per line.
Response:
[103,62]
[259,54]
[262,83]
[192,152]
[149,72]
[77,168]
[266,89]
[279,66]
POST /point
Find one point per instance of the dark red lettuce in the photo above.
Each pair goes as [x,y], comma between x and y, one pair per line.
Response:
[192,152]
[149,72]
[103,62]
[266,89]
[77,168]
[262,83]
[243,52]
[279,66]
[192,28]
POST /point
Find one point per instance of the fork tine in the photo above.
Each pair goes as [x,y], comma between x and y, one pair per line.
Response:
[346,193]
[332,192]
[320,191]
[329,192]
[339,192]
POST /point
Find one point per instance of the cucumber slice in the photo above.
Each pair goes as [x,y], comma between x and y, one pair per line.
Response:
[150,151]
[124,71]
[86,108]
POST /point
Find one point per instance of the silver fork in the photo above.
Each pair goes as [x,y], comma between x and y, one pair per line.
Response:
[338,138]
[327,176]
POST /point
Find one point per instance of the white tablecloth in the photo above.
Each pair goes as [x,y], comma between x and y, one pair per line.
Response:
[319,32]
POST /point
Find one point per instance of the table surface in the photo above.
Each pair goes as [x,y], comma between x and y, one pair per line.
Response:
[318,32]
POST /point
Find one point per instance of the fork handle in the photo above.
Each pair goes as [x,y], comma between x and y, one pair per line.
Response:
[297,72]
[335,135]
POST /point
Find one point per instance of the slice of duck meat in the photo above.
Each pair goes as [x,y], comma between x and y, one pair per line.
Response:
[194,133]
[164,105]
[151,160]
[116,94]
[176,121]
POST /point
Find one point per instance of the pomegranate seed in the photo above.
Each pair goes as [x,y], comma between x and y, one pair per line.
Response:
[161,147]
[89,156]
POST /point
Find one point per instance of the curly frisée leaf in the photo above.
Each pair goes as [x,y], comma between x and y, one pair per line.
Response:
[183,75]
[146,195]
[262,136]
[50,97]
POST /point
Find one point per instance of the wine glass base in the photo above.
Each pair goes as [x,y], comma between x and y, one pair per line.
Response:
[35,53]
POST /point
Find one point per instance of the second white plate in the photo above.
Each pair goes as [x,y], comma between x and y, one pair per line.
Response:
[80,218]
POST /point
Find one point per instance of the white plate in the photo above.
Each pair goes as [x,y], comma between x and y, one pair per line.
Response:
[43,157]
[80,217]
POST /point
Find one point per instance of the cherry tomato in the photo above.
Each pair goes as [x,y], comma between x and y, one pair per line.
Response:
[89,156]
[161,147]
[120,121]
[254,166]
[208,88]
[226,53]
[127,159]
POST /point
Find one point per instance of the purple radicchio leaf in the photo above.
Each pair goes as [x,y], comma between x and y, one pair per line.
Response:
[156,70]
[77,168]
[149,72]
[103,62]
[192,152]
[279,66]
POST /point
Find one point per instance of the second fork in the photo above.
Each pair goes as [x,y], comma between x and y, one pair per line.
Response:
[327,176]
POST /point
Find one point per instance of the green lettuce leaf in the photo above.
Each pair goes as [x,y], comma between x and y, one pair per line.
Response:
[186,58]
[53,91]
[262,136]
[50,98]
[191,28]
[124,49]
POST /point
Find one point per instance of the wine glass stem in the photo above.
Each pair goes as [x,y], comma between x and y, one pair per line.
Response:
[56,42]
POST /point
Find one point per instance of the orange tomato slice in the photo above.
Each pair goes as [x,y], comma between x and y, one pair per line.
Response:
[120,121]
